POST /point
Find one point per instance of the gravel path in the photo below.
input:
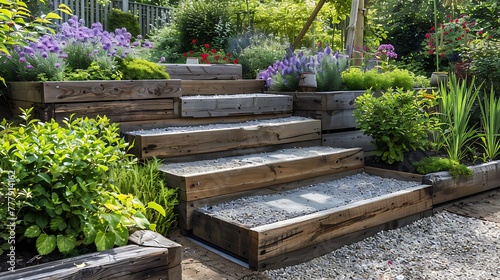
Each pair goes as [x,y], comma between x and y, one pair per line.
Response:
[444,246]
[265,209]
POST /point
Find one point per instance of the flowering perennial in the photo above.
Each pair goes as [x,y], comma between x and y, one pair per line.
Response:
[73,47]
[209,55]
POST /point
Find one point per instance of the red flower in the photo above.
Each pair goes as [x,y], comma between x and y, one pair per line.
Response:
[206,46]
[217,57]
[193,41]
[228,54]
[236,61]
[185,54]
[213,50]
[204,55]
[191,52]
[433,28]
[442,55]
[480,32]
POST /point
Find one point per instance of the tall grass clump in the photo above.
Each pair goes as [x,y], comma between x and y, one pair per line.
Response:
[146,182]
[455,104]
[490,120]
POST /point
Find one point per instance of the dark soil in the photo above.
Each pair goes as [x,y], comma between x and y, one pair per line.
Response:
[406,165]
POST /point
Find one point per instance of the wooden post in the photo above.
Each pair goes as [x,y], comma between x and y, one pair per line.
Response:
[352,25]
[308,24]
[357,57]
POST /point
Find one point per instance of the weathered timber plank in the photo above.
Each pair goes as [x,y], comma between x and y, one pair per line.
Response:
[485,177]
[326,101]
[310,252]
[148,238]
[85,91]
[398,175]
[206,141]
[331,120]
[127,262]
[186,208]
[225,233]
[144,125]
[238,179]
[227,105]
[348,139]
[279,238]
[119,111]
[207,87]
[204,71]
[43,112]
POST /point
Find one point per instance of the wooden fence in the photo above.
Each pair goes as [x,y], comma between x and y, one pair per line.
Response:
[90,11]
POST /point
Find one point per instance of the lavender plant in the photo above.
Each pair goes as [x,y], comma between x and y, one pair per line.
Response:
[73,48]
[284,75]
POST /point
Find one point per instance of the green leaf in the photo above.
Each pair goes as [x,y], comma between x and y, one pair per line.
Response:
[45,244]
[112,218]
[52,16]
[104,241]
[89,233]
[57,223]
[65,243]
[32,231]
[121,234]
[42,221]
[45,177]
[157,207]
[141,220]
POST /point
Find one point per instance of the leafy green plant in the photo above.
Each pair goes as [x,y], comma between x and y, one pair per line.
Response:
[166,47]
[118,19]
[397,122]
[145,181]
[435,164]
[455,104]
[140,69]
[376,81]
[59,177]
[485,63]
[401,79]
[490,119]
[94,72]
[353,79]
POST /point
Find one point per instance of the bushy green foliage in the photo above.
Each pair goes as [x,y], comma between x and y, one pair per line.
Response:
[485,63]
[435,164]
[376,81]
[140,69]
[94,72]
[55,183]
[401,79]
[397,122]
[353,79]
[490,123]
[166,45]
[118,19]
[206,21]
[146,182]
[262,52]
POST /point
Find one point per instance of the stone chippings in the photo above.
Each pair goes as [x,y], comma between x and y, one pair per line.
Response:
[444,246]
[265,209]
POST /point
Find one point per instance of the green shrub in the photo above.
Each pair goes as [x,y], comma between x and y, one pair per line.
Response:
[206,21]
[166,45]
[396,121]
[140,69]
[353,79]
[485,63]
[376,81]
[118,19]
[401,79]
[262,52]
[435,164]
[146,182]
[55,184]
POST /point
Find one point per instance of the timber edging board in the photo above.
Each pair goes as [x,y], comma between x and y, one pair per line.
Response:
[204,71]
[131,262]
[485,177]
[165,145]
[282,240]
[221,87]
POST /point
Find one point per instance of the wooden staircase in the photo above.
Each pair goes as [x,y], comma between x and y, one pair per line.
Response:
[216,151]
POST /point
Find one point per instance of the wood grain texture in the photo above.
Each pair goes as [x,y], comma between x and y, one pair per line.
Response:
[128,262]
[348,139]
[204,71]
[119,111]
[258,175]
[234,105]
[221,87]
[446,188]
[206,141]
[85,91]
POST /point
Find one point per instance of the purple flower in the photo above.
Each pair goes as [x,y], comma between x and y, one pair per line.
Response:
[22,59]
[162,59]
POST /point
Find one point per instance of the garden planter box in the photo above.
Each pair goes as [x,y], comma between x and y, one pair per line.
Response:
[161,260]
[485,177]
[120,101]
[302,238]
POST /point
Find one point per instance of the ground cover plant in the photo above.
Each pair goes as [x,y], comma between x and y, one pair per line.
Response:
[55,182]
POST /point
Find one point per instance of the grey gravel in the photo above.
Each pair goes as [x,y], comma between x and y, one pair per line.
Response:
[175,129]
[444,246]
[205,166]
[265,209]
